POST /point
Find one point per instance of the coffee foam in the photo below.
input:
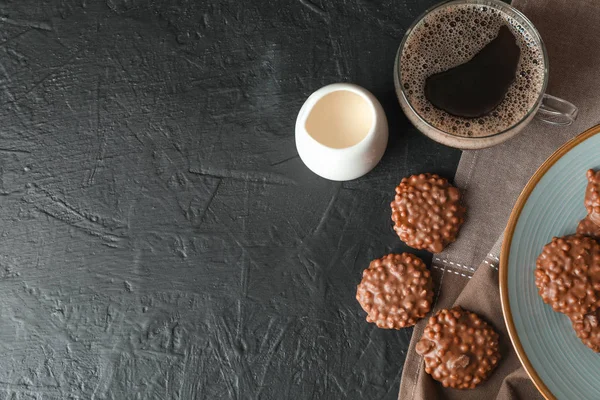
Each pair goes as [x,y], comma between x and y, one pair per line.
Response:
[452,35]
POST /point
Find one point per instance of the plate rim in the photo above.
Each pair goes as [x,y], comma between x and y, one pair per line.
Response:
[505,251]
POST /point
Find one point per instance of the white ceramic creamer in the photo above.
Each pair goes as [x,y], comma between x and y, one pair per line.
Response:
[341,132]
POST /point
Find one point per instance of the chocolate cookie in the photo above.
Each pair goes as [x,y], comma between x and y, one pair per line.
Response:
[567,275]
[592,196]
[588,329]
[587,228]
[460,349]
[427,212]
[396,291]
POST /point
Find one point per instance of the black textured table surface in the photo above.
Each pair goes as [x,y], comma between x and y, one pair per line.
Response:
[159,236]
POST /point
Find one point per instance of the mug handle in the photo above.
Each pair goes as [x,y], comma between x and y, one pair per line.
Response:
[556,111]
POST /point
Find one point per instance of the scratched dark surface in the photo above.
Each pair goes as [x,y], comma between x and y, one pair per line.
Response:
[159,237]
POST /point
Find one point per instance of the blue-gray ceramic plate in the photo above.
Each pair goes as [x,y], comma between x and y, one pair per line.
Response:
[550,205]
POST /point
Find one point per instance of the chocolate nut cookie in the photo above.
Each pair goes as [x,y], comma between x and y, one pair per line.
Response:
[588,329]
[567,275]
[460,349]
[427,212]
[587,228]
[396,291]
[592,196]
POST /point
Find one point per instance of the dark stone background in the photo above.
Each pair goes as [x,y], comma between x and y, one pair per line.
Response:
[159,236]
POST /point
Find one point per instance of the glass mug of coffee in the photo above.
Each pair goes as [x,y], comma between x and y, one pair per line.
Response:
[473,73]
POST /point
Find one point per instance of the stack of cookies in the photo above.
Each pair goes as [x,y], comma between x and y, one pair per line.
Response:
[459,349]
[567,272]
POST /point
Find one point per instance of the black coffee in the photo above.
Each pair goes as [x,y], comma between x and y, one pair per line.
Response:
[471,70]
[475,88]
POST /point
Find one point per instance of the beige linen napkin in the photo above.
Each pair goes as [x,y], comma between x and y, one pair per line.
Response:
[467,272]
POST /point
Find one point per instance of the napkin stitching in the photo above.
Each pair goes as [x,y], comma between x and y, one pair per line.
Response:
[491,265]
[493,256]
[437,296]
[453,263]
[456,272]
